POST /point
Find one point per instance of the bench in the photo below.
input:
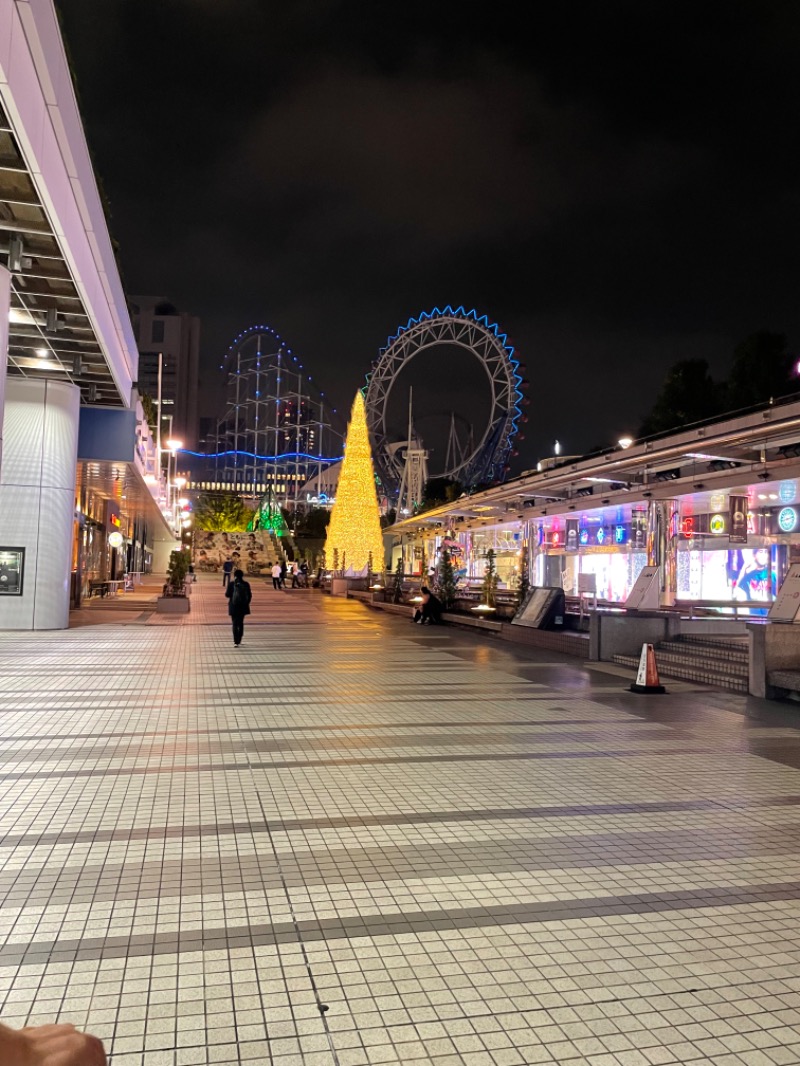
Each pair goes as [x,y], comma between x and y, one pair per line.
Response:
[98,588]
[786,680]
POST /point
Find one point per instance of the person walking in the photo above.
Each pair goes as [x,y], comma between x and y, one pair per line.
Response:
[283,573]
[227,570]
[239,595]
[276,576]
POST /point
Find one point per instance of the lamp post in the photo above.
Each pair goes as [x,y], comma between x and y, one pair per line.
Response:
[178,483]
[173,447]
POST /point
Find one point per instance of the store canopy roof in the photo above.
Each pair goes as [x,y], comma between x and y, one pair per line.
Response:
[760,447]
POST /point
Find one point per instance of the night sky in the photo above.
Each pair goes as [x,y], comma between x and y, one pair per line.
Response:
[615,184]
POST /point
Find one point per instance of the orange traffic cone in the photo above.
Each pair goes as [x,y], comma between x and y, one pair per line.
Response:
[647,676]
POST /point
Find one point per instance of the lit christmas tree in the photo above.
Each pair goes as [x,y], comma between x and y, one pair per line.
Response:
[355,526]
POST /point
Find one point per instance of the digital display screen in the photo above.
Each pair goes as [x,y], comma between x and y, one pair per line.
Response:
[743,575]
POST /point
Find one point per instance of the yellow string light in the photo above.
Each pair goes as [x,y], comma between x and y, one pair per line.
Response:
[355,526]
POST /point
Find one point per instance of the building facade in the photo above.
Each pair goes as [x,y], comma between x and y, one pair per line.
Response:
[715,507]
[81,496]
[170,337]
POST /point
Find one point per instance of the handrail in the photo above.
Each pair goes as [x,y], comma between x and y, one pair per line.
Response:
[734,606]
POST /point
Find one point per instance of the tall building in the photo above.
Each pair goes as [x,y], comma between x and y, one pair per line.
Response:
[161,328]
[82,502]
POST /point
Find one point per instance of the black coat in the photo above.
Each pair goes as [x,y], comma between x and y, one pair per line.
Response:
[245,586]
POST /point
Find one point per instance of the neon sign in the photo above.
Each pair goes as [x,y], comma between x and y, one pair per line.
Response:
[601,535]
[687,526]
[787,491]
[717,524]
[620,534]
[787,519]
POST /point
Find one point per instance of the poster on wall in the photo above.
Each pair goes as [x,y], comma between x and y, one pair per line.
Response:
[12,571]
[571,543]
[252,552]
[737,521]
[638,529]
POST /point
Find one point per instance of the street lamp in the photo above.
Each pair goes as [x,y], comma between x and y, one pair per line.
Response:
[172,449]
[625,442]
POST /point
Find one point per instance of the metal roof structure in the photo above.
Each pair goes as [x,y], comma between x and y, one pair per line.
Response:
[756,447]
[69,315]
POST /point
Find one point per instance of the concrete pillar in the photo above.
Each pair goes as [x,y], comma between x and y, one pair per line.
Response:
[37,498]
[662,546]
[5,303]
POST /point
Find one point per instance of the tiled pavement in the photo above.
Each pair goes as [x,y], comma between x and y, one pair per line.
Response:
[467,852]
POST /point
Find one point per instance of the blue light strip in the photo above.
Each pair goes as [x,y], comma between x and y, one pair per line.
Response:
[268,458]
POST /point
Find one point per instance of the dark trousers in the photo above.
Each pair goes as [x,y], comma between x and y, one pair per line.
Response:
[237,622]
[225,578]
[276,582]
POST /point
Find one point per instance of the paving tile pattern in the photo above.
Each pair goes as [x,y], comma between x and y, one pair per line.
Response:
[349,842]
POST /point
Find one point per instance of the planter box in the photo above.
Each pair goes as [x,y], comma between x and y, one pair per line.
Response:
[339,586]
[172,605]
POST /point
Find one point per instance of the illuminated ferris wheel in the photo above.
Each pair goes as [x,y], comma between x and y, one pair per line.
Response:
[483,454]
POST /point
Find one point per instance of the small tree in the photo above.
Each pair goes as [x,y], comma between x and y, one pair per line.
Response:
[221,513]
[689,394]
[489,580]
[176,572]
[763,369]
[446,579]
[397,592]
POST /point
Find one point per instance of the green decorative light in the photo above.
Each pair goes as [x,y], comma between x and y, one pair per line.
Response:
[268,516]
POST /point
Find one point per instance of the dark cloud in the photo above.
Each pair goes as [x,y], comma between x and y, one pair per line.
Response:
[614,183]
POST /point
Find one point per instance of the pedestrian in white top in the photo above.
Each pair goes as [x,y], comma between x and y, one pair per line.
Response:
[276,576]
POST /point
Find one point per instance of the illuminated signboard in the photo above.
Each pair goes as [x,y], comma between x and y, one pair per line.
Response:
[620,535]
[787,491]
[12,568]
[584,536]
[601,535]
[687,526]
[113,519]
[787,519]
[717,524]
[115,540]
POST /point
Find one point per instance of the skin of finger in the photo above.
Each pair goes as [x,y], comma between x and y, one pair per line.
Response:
[61,1045]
